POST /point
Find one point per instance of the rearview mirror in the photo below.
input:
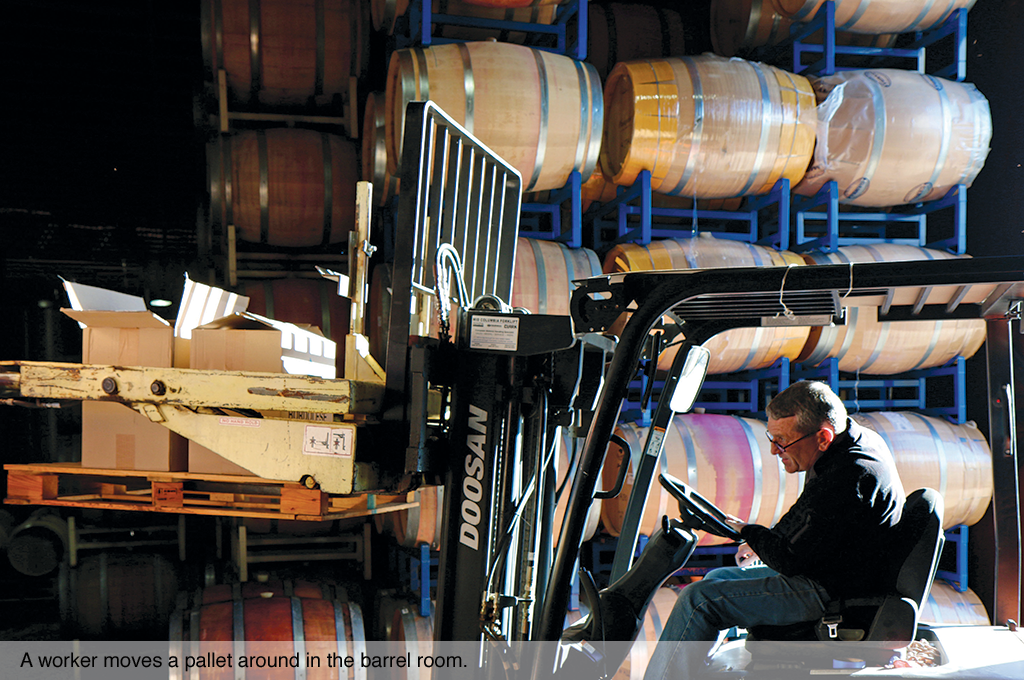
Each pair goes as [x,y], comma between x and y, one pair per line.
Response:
[690,379]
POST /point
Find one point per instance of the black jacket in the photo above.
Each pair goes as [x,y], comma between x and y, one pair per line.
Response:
[841,528]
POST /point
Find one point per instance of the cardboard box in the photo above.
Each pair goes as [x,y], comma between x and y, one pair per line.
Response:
[113,435]
[249,342]
[234,343]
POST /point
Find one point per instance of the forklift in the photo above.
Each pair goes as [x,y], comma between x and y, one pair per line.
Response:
[478,405]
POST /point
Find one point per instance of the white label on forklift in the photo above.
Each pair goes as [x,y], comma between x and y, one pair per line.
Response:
[239,422]
[494,332]
[328,441]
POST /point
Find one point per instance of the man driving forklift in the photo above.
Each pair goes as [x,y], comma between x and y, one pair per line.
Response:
[833,544]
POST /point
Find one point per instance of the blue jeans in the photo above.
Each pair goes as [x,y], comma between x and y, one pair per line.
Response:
[727,597]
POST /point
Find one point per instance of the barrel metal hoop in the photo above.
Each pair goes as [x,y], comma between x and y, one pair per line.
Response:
[583,138]
[328,158]
[881,128]
[469,83]
[696,136]
[104,593]
[691,453]
[915,25]
[264,192]
[542,136]
[982,130]
[940,449]
[542,277]
[321,46]
[947,134]
[237,634]
[755,461]
[255,52]
[357,629]
[766,118]
[299,638]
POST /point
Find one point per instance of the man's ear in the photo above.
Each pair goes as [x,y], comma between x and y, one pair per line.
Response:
[826,435]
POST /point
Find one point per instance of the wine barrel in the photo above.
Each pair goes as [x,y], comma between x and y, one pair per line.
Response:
[385,13]
[275,627]
[947,606]
[541,112]
[727,459]
[635,665]
[283,53]
[283,187]
[738,27]
[544,275]
[617,31]
[877,16]
[7,523]
[889,137]
[375,151]
[378,311]
[569,450]
[955,460]
[226,592]
[118,594]
[37,546]
[312,302]
[707,127]
[879,348]
[419,524]
[737,349]
[414,634]
[505,4]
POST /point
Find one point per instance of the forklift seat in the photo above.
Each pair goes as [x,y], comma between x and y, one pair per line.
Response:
[889,619]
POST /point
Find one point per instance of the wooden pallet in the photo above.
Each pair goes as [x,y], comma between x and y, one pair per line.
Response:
[71,485]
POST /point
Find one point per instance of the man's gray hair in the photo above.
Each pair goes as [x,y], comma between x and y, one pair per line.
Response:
[814,403]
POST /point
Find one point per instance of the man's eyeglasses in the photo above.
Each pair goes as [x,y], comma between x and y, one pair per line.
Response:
[783,447]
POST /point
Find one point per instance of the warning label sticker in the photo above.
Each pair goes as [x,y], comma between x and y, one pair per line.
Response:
[328,441]
[494,332]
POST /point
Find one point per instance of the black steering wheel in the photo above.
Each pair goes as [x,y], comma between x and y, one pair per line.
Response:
[698,512]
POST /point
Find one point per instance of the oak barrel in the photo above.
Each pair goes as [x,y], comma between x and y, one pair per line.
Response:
[890,137]
[285,53]
[118,594]
[740,26]
[375,151]
[544,275]
[737,349]
[272,626]
[312,302]
[864,344]
[945,605]
[707,126]
[419,524]
[877,16]
[955,460]
[541,112]
[385,14]
[618,31]
[727,459]
[655,617]
[283,187]
[37,546]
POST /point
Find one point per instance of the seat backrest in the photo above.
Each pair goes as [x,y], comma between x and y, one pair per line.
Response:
[920,535]
[921,527]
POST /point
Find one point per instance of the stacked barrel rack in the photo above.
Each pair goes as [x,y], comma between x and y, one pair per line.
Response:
[261,231]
